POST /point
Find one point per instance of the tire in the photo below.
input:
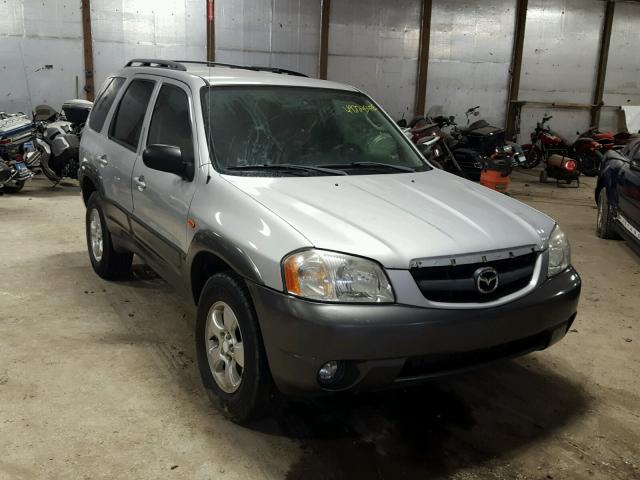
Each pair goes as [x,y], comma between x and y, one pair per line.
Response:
[533,158]
[604,226]
[14,187]
[590,163]
[106,262]
[225,302]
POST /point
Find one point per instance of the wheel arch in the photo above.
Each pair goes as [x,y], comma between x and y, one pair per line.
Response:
[210,254]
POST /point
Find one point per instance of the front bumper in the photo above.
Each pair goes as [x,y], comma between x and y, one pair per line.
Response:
[385,345]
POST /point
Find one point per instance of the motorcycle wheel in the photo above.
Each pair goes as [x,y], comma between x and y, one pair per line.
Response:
[590,163]
[15,187]
[533,158]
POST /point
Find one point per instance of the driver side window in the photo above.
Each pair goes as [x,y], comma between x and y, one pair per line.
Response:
[171,121]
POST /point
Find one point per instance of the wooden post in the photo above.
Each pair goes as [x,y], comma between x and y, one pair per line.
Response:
[324,38]
[211,33]
[423,57]
[516,66]
[603,60]
[87,38]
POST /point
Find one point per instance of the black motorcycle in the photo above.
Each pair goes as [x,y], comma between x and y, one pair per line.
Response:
[477,145]
[57,143]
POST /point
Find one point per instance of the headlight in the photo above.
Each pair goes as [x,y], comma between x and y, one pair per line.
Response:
[559,252]
[335,277]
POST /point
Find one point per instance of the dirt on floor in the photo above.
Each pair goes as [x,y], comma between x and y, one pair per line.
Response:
[98,381]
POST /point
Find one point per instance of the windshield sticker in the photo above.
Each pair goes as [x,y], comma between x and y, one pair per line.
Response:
[353,108]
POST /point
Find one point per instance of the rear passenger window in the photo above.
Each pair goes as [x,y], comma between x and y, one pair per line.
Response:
[103,104]
[127,122]
[171,122]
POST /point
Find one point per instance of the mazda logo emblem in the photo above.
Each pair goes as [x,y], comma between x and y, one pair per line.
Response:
[486,280]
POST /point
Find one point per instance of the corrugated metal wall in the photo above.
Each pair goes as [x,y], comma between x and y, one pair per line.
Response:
[125,29]
[374,46]
[622,86]
[470,57]
[274,33]
[32,35]
[560,61]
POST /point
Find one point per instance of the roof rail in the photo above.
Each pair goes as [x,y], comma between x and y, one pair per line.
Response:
[150,62]
[282,71]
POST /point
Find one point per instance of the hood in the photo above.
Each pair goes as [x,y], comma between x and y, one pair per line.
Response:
[397,218]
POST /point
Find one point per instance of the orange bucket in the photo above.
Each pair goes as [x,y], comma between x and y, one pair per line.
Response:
[495,181]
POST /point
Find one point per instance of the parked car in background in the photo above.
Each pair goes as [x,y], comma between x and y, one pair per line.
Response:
[324,253]
[618,195]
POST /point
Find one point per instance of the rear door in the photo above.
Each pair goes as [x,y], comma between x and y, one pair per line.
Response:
[92,146]
[161,200]
[123,147]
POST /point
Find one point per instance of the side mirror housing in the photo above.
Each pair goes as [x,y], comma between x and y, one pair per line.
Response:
[169,159]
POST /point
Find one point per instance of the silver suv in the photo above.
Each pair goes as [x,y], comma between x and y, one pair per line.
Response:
[323,252]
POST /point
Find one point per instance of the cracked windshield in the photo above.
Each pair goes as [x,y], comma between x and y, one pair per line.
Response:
[276,131]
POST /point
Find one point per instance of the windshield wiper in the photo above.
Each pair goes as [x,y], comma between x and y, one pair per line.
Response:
[288,166]
[390,166]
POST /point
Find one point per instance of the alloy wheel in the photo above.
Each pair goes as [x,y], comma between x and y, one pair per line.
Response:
[225,349]
[95,234]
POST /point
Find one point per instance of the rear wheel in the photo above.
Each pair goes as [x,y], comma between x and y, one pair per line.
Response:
[231,356]
[106,262]
[590,163]
[606,215]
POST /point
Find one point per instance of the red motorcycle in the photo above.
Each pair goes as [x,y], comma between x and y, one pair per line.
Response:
[586,151]
[608,140]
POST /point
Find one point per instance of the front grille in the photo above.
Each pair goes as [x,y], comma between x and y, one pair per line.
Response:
[456,284]
[434,364]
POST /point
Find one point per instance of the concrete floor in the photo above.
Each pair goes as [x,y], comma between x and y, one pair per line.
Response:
[97,379]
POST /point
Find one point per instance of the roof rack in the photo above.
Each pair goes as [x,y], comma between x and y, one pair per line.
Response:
[178,65]
[150,62]
[282,71]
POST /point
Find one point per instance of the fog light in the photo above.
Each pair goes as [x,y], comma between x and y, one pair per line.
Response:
[328,372]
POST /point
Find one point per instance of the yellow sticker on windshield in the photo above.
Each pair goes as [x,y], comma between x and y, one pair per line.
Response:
[353,108]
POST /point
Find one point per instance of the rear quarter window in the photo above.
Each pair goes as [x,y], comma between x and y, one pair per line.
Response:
[103,104]
[126,125]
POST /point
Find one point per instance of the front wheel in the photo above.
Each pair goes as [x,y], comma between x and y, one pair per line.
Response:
[105,260]
[231,356]
[590,163]
[533,157]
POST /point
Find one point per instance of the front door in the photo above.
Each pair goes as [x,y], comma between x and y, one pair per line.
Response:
[161,200]
[629,193]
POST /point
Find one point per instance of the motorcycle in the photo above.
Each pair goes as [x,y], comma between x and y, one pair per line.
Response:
[479,144]
[58,142]
[15,142]
[585,150]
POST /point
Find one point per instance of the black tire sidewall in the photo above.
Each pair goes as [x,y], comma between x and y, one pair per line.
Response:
[101,266]
[591,164]
[244,403]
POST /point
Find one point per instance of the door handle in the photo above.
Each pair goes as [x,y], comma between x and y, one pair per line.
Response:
[139,181]
[102,160]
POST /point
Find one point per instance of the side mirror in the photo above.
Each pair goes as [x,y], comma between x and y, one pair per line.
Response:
[167,158]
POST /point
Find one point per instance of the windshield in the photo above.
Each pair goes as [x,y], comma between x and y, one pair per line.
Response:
[275,131]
